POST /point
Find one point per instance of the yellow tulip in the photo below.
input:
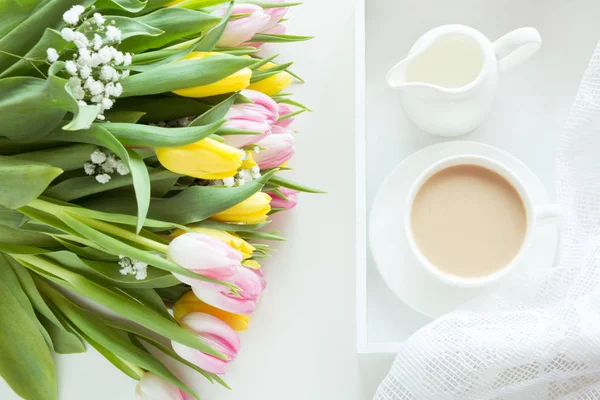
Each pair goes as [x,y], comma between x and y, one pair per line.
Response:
[249,161]
[206,159]
[252,264]
[228,238]
[233,83]
[273,84]
[189,303]
[253,210]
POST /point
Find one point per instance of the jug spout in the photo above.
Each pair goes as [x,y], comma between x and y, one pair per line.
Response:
[397,76]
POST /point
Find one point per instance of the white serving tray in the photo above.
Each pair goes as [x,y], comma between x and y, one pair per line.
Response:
[527,119]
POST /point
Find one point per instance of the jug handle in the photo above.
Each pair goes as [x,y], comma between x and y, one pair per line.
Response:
[517,46]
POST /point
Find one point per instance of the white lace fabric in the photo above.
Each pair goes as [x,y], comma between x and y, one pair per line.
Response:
[540,337]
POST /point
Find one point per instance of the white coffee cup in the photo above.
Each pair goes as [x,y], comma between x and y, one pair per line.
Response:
[535,216]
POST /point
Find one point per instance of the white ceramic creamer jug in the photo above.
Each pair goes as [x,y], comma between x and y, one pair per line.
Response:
[449,79]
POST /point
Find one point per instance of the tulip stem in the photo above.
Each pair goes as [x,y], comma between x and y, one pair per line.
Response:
[55,209]
[123,233]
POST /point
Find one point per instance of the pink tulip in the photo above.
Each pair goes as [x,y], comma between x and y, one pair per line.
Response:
[217,334]
[240,141]
[261,103]
[205,256]
[152,387]
[279,202]
[285,109]
[276,148]
[275,14]
[242,29]
[221,297]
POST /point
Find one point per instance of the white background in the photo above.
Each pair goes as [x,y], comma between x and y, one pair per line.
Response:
[301,341]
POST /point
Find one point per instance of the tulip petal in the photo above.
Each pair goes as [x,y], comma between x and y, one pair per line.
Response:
[242,29]
[201,360]
[278,148]
[276,14]
[152,387]
[262,103]
[214,331]
[279,202]
[240,141]
[204,255]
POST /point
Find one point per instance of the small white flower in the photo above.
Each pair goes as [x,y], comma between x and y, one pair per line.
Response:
[74,81]
[141,270]
[97,42]
[124,74]
[85,57]
[109,165]
[71,67]
[81,103]
[67,34]
[99,19]
[85,71]
[119,58]
[106,54]
[100,117]
[95,87]
[241,181]
[108,73]
[52,54]
[228,182]
[80,40]
[89,168]
[97,98]
[127,59]
[72,16]
[98,156]
[256,172]
[113,34]
[78,92]
[256,149]
[103,178]
[122,169]
[118,90]
[106,104]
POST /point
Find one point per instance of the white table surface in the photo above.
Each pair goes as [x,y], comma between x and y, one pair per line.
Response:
[301,342]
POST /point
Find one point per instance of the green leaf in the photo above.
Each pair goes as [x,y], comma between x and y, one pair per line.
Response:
[24,36]
[111,339]
[67,158]
[64,340]
[15,12]
[26,363]
[162,108]
[13,173]
[126,307]
[261,236]
[269,72]
[286,183]
[224,226]
[211,38]
[154,136]
[102,137]
[176,23]
[193,204]
[184,74]
[11,218]
[134,28]
[131,6]
[216,113]
[130,117]
[75,188]
[270,38]
[20,95]
[50,38]
[149,298]
[8,276]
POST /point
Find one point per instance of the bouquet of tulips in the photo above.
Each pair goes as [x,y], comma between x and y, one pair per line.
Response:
[142,148]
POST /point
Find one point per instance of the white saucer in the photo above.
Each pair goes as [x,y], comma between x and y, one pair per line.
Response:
[401,270]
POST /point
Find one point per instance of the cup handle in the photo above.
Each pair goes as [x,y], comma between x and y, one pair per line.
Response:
[517,46]
[548,213]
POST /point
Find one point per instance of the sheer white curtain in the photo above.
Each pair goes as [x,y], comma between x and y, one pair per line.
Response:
[539,338]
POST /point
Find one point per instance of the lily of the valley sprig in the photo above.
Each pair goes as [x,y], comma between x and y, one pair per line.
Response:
[143,152]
